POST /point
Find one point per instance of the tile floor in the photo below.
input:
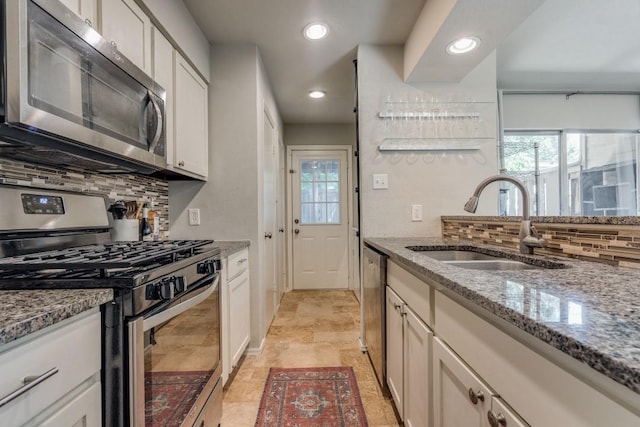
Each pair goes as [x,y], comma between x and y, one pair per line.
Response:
[312,328]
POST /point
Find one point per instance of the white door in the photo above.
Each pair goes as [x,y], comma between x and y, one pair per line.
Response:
[281,253]
[269,219]
[320,219]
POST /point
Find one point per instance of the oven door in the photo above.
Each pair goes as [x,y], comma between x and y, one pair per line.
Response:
[174,358]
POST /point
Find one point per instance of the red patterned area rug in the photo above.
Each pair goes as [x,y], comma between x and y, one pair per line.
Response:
[311,397]
[170,395]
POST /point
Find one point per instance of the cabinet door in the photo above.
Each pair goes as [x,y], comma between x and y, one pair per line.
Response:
[460,398]
[86,9]
[84,410]
[163,66]
[239,316]
[126,26]
[501,415]
[395,347]
[417,371]
[191,119]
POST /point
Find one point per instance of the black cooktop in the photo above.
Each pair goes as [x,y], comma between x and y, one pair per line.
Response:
[110,265]
[105,256]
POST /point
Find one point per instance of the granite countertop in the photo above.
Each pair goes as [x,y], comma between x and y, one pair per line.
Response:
[230,247]
[26,312]
[588,310]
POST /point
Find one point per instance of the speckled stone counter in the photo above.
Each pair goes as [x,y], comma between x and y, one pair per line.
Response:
[587,310]
[25,312]
[230,247]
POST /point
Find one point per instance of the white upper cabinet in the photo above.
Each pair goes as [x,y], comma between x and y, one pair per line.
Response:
[191,119]
[86,9]
[128,28]
[163,65]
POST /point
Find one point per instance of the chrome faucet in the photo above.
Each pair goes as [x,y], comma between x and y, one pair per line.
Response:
[528,235]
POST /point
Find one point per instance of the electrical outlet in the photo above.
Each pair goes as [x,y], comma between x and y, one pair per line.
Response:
[194,216]
[380,181]
[416,212]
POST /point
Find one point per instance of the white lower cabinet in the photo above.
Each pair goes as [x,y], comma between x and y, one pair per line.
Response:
[236,310]
[83,410]
[461,398]
[52,377]
[408,362]
[395,349]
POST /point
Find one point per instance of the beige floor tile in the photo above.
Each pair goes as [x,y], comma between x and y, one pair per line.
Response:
[311,328]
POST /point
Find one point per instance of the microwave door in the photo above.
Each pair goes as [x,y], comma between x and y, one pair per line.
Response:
[79,88]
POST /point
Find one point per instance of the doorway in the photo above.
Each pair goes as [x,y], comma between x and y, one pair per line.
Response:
[319,217]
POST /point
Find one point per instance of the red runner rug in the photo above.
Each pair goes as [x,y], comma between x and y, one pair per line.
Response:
[311,397]
[169,396]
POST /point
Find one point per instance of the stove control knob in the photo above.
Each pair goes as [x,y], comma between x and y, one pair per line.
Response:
[206,267]
[180,283]
[165,290]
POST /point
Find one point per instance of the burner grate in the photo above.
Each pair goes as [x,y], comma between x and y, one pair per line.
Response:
[104,257]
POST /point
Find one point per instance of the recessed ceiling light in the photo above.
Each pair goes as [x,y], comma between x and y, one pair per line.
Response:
[317,94]
[315,31]
[463,45]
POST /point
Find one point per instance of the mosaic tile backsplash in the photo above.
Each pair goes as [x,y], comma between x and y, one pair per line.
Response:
[610,240]
[116,187]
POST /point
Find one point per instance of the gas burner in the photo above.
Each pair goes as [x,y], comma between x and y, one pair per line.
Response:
[106,257]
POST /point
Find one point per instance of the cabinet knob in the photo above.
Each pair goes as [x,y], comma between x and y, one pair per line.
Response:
[476,396]
[114,44]
[88,22]
[181,163]
[496,420]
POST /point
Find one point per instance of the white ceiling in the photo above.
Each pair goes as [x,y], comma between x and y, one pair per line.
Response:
[563,45]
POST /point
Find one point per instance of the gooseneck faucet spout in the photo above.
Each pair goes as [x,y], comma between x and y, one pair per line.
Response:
[528,235]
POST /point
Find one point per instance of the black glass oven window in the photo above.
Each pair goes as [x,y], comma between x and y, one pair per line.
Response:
[38,204]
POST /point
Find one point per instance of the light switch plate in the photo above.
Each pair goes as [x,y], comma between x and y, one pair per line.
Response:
[194,216]
[416,212]
[380,181]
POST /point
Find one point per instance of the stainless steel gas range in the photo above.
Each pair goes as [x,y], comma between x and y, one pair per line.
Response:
[160,335]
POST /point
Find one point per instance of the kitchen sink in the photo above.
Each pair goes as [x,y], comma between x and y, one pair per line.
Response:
[456,255]
[494,265]
[470,259]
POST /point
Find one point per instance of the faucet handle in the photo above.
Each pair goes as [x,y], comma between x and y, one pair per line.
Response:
[534,231]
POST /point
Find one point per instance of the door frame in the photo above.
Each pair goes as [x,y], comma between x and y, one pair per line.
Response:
[289,215]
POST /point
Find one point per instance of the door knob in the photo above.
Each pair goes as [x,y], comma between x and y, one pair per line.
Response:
[297,221]
[476,396]
[297,231]
[268,235]
[496,420]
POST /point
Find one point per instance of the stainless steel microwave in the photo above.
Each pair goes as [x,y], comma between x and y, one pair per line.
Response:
[69,98]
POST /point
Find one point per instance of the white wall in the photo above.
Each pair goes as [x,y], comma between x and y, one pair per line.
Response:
[522,111]
[230,202]
[440,181]
[319,134]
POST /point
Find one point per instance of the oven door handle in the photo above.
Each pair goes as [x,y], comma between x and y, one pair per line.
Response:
[178,309]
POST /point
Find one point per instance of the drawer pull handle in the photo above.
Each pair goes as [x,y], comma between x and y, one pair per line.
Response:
[29,383]
[242,261]
[476,397]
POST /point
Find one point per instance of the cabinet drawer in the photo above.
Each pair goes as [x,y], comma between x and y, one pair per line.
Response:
[72,347]
[415,292]
[237,263]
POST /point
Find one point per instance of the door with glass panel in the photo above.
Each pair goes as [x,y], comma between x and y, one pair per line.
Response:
[320,222]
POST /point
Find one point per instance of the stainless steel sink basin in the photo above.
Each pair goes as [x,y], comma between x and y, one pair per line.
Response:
[467,258]
[495,264]
[454,255]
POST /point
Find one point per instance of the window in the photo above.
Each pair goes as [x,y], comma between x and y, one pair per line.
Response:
[534,159]
[320,191]
[599,173]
